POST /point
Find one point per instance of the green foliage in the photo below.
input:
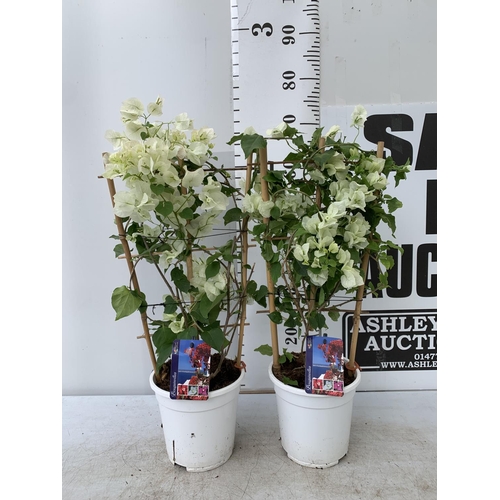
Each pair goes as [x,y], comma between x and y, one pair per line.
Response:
[260,295]
[163,338]
[180,280]
[289,381]
[215,338]
[249,143]
[165,208]
[212,269]
[118,250]
[286,356]
[265,349]
[170,305]
[321,219]
[126,301]
[232,215]
[168,205]
[276,317]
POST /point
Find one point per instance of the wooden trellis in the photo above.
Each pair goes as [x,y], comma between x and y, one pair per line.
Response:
[351,365]
[131,263]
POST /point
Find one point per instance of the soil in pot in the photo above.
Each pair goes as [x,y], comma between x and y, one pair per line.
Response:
[295,369]
[226,376]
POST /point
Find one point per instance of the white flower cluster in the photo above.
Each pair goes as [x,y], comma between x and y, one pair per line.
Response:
[331,234]
[323,227]
[213,286]
[148,154]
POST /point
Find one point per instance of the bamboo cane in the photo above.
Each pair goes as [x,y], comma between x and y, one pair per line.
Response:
[270,284]
[133,275]
[313,290]
[244,262]
[189,258]
[351,364]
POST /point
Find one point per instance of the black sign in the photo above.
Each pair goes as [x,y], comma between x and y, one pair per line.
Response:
[394,340]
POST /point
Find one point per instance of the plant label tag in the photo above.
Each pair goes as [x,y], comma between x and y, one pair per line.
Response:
[324,366]
[190,369]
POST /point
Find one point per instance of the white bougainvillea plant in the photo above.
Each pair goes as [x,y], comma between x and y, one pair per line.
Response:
[321,218]
[174,199]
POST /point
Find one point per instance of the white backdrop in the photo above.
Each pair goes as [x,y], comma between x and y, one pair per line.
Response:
[373,52]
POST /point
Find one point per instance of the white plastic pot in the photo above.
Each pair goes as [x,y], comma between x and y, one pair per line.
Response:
[199,435]
[314,429]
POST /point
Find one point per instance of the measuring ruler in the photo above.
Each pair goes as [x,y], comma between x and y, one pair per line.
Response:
[276,67]
[276,78]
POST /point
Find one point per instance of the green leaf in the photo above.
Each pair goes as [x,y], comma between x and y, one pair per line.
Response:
[164,208]
[258,229]
[289,381]
[321,298]
[214,338]
[276,225]
[170,305]
[212,269]
[187,213]
[334,314]
[275,317]
[125,301]
[251,287]
[265,349]
[180,280]
[386,260]
[275,270]
[235,138]
[275,212]
[299,268]
[118,250]
[316,136]
[293,157]
[250,143]
[267,251]
[260,296]
[206,305]
[233,214]
[162,354]
[298,141]
[189,333]
[274,175]
[390,221]
[157,189]
[316,320]
[291,322]
[290,131]
[373,245]
[163,336]
[393,204]
[285,356]
[383,280]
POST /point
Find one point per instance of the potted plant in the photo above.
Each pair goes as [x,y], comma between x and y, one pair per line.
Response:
[316,221]
[175,211]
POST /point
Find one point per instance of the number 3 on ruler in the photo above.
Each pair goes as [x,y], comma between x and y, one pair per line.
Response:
[265,26]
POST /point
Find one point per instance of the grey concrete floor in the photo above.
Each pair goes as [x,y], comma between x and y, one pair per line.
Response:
[113,448]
